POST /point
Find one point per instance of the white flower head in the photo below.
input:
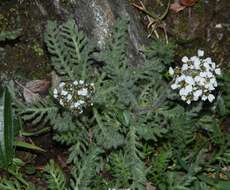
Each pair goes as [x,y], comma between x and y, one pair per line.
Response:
[196,78]
[74,95]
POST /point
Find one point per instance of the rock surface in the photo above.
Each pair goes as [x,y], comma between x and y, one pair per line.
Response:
[96,18]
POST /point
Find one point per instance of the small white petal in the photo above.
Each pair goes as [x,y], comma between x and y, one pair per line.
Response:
[213,64]
[206,65]
[174,86]
[209,74]
[55,96]
[211,97]
[200,53]
[202,82]
[188,102]
[76,104]
[215,84]
[82,92]
[185,59]
[171,71]
[193,58]
[197,64]
[202,74]
[212,80]
[184,67]
[64,93]
[75,82]
[204,97]
[61,102]
[197,79]
[208,60]
[218,71]
[188,88]
[183,98]
[182,92]
[189,80]
[197,93]
[81,102]
[61,84]
[180,78]
[210,87]
[55,91]
[69,97]
[81,82]
[195,98]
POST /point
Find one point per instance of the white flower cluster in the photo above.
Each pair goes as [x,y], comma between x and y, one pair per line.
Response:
[74,95]
[196,78]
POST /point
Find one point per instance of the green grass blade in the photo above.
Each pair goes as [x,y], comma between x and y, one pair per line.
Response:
[7,130]
[28,146]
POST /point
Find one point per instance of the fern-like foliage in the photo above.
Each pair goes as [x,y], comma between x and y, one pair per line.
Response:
[86,170]
[10,35]
[40,112]
[13,184]
[135,156]
[56,178]
[10,185]
[134,108]
[68,48]
[160,163]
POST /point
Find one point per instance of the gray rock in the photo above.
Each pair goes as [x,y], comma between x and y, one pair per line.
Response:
[96,18]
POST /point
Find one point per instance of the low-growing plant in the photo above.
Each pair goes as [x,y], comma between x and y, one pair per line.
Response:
[124,126]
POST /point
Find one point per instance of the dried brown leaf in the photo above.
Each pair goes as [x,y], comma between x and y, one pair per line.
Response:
[38,86]
[177,7]
[188,3]
[34,89]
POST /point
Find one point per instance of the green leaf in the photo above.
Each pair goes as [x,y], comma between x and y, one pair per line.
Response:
[7,131]
[10,35]
[56,178]
[28,146]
